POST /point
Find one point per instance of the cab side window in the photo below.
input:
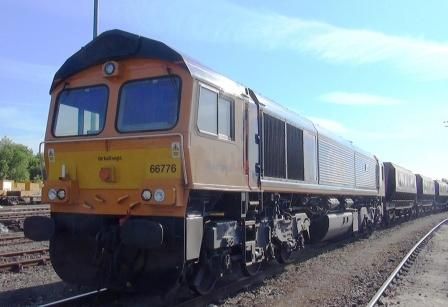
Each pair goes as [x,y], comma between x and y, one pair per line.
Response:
[216,114]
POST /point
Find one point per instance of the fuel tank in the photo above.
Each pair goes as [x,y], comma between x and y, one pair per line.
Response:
[331,226]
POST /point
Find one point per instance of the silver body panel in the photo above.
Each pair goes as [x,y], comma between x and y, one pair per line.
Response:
[310,156]
[366,169]
[381,179]
[336,163]
[332,165]
[194,234]
[284,185]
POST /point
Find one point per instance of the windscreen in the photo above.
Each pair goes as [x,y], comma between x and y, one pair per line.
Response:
[151,104]
[81,111]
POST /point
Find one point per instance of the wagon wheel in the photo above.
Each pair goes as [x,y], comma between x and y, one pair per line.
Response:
[285,255]
[206,276]
[252,269]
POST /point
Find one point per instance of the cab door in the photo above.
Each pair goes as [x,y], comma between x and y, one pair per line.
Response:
[251,144]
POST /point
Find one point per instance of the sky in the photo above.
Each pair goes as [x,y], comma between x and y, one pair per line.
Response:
[373,72]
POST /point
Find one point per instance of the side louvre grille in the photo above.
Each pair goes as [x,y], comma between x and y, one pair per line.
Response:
[295,153]
[274,147]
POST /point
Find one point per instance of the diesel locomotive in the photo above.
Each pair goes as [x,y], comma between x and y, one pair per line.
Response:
[162,172]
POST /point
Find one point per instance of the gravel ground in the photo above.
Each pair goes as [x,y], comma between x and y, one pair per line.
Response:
[335,274]
[426,283]
[339,274]
[32,285]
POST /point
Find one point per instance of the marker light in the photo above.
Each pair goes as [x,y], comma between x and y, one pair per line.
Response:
[52,194]
[146,195]
[61,194]
[109,68]
[159,195]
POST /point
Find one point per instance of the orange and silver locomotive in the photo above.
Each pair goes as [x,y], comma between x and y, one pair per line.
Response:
[161,171]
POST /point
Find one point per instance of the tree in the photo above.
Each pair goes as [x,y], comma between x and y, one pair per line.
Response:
[14,160]
[34,168]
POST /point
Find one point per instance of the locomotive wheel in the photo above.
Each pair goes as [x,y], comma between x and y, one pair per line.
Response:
[73,259]
[251,270]
[206,276]
[286,255]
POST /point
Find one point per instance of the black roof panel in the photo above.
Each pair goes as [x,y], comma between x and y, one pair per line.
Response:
[114,45]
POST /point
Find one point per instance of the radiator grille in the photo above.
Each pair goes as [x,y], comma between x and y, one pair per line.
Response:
[295,153]
[274,147]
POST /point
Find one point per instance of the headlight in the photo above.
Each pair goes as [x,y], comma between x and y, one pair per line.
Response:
[109,68]
[146,195]
[159,195]
[61,194]
[52,194]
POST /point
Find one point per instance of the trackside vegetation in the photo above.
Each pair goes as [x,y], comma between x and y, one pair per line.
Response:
[18,162]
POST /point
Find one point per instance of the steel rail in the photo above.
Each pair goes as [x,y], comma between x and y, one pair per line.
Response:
[19,263]
[10,237]
[13,239]
[16,218]
[25,207]
[375,299]
[24,262]
[17,241]
[22,214]
[76,299]
[17,213]
[24,252]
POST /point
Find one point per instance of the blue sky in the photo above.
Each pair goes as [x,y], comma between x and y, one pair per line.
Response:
[374,72]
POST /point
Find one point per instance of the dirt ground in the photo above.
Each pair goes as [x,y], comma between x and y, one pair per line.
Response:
[340,274]
[426,283]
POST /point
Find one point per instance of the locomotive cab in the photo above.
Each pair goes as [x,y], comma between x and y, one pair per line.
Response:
[115,163]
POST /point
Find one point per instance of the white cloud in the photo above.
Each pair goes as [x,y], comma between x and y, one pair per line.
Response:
[330,125]
[265,30]
[346,98]
[423,58]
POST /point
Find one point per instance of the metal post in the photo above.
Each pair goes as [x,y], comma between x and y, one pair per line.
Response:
[95,18]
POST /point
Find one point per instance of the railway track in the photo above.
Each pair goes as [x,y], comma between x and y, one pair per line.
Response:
[94,297]
[104,296]
[23,207]
[15,261]
[19,213]
[13,239]
[403,266]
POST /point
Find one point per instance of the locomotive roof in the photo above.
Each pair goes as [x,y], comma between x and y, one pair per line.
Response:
[118,44]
